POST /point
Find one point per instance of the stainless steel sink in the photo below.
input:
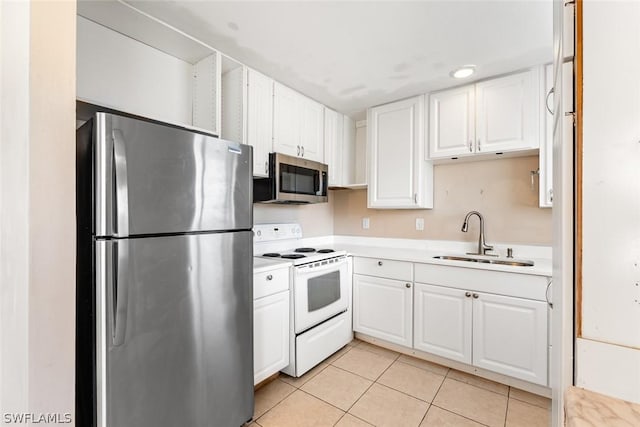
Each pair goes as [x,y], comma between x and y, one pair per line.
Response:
[487,261]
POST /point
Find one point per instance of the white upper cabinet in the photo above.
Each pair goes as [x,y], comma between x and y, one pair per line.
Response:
[260,120]
[298,124]
[494,116]
[312,129]
[452,122]
[333,146]
[286,120]
[508,113]
[399,176]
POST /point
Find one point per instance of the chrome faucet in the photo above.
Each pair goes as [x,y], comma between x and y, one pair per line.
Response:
[482,246]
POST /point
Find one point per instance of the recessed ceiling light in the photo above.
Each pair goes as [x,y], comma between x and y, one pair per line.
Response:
[463,72]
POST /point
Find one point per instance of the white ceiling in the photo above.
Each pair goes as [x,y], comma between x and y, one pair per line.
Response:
[351,55]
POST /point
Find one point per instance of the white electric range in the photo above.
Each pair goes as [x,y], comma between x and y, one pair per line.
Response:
[320,320]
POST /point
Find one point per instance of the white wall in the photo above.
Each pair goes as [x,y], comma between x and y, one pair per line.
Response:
[608,357]
[37,196]
[119,72]
[14,205]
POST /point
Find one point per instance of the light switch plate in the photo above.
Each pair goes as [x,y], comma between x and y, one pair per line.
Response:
[365,223]
[420,224]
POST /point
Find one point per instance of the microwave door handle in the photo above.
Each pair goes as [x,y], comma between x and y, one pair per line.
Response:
[321,184]
[121,187]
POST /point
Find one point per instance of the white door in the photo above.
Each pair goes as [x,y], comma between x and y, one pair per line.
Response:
[452,122]
[507,113]
[270,335]
[395,142]
[383,308]
[312,130]
[260,120]
[286,120]
[546,143]
[333,146]
[443,322]
[510,336]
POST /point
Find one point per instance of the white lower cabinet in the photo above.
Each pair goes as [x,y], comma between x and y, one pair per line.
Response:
[442,322]
[510,336]
[383,308]
[270,323]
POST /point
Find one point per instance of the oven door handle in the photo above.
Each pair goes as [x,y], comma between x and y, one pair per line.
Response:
[305,271]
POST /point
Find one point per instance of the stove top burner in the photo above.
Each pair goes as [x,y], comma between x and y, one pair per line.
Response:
[272,255]
[325,251]
[293,256]
[305,250]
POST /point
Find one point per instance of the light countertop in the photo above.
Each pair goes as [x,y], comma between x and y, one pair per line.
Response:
[541,267]
[584,408]
[263,264]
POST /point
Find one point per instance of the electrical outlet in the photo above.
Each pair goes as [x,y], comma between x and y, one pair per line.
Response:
[420,224]
[365,223]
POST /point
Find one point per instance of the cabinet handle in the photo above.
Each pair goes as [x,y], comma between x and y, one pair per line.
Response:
[303,151]
[407,285]
[475,296]
[298,150]
[470,146]
[270,277]
[266,167]
[546,293]
[467,294]
[415,198]
[546,101]
[380,263]
[551,195]
[479,145]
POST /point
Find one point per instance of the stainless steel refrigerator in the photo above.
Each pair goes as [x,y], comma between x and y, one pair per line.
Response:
[164,277]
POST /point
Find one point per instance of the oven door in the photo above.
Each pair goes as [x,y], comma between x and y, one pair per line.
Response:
[320,292]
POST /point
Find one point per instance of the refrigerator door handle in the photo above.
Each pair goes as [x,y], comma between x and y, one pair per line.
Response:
[120,184]
[120,294]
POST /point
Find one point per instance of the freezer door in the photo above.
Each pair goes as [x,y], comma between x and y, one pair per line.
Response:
[151,178]
[174,331]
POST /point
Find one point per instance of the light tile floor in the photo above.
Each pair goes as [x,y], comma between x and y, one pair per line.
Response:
[366,385]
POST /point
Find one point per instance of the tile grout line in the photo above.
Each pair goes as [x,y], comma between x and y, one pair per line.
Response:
[481,388]
[506,410]
[434,397]
[460,415]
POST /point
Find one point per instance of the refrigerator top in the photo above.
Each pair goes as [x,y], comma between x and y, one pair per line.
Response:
[153,179]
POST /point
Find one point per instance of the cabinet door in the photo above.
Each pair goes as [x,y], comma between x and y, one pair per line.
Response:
[348,151]
[286,120]
[270,335]
[508,113]
[260,120]
[546,143]
[395,143]
[452,122]
[443,322]
[383,308]
[510,336]
[333,141]
[311,130]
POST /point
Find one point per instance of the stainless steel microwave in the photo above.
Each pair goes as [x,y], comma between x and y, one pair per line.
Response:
[292,180]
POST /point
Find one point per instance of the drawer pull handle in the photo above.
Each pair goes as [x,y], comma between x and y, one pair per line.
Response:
[380,263]
[467,294]
[270,277]
[407,285]
[475,296]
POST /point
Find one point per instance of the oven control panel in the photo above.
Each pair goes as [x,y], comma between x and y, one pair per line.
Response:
[272,232]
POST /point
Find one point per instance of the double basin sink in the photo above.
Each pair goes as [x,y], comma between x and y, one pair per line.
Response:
[513,263]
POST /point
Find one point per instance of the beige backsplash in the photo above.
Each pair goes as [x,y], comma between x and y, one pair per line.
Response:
[316,220]
[499,189]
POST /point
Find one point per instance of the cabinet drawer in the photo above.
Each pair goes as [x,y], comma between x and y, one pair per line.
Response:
[399,270]
[270,282]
